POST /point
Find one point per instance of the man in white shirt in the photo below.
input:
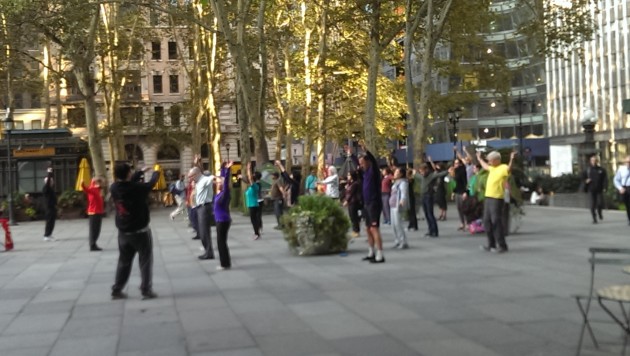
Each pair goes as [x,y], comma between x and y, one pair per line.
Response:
[622,183]
[204,193]
[179,194]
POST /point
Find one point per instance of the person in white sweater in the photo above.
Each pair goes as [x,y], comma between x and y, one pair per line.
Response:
[398,202]
[332,183]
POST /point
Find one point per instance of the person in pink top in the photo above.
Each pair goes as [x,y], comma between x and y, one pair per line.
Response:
[386,190]
[95,210]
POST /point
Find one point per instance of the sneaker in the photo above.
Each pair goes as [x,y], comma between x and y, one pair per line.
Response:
[150,294]
[117,294]
[368,258]
[403,247]
[221,268]
[49,238]
[95,248]
[382,260]
[396,245]
[256,237]
[487,248]
[501,250]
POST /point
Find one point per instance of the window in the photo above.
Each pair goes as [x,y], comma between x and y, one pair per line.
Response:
[173,83]
[133,85]
[131,116]
[36,101]
[31,176]
[154,18]
[19,125]
[76,117]
[172,50]
[191,50]
[157,84]
[159,116]
[36,124]
[156,51]
[175,113]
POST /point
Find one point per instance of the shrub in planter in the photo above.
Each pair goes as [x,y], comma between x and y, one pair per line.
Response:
[316,225]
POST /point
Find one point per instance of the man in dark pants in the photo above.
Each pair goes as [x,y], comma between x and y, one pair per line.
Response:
[204,193]
[276,195]
[372,206]
[50,196]
[596,183]
[134,235]
[493,208]
[427,182]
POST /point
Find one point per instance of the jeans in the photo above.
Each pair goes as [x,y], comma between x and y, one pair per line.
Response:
[51,217]
[95,228]
[278,209]
[459,201]
[427,206]
[255,217]
[397,223]
[353,213]
[493,222]
[204,232]
[386,212]
[224,252]
[128,245]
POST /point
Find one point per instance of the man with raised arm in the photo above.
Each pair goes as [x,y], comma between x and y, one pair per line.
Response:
[494,202]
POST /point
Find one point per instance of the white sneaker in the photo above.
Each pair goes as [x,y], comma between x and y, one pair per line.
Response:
[49,238]
[221,268]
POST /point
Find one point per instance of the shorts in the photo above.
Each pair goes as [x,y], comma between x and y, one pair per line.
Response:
[372,214]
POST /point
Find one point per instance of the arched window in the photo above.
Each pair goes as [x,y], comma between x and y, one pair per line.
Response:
[168,152]
[133,153]
[205,151]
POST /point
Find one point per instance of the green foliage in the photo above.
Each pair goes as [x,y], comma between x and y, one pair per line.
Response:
[316,225]
[566,183]
[71,199]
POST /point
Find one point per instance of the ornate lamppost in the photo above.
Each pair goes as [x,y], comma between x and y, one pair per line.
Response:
[8,126]
[453,118]
[588,122]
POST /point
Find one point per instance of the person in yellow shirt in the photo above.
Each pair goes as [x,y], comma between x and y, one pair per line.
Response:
[494,202]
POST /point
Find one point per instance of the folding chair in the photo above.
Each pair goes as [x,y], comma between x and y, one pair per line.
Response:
[599,256]
[619,294]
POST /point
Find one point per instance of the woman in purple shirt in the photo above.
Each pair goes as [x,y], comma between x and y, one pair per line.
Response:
[222,215]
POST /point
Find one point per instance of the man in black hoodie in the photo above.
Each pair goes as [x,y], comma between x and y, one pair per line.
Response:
[134,235]
[50,196]
[596,183]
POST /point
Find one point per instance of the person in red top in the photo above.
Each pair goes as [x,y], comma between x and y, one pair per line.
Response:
[386,190]
[95,210]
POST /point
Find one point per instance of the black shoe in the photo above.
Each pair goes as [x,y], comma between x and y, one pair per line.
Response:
[434,235]
[594,221]
[501,250]
[601,217]
[150,294]
[117,294]
[382,260]
[95,248]
[487,248]
[206,257]
[196,238]
[368,258]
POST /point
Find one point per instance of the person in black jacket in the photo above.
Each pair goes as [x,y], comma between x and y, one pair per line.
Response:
[596,182]
[458,172]
[50,197]
[292,180]
[134,235]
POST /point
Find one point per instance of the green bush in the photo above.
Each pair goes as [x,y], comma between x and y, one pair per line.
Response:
[566,183]
[316,225]
[71,199]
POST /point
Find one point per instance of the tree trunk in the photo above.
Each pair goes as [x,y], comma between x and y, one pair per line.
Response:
[86,85]
[374,64]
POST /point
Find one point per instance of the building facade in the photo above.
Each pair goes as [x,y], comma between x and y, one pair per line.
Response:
[596,85]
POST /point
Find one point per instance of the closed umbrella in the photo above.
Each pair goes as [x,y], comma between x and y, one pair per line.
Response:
[161,183]
[84,174]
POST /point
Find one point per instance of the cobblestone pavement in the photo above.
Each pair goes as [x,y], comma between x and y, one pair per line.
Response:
[440,297]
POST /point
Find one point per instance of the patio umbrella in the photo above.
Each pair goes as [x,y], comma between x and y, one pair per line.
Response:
[161,183]
[84,174]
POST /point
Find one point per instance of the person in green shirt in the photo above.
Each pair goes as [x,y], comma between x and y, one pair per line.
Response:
[251,200]
[311,183]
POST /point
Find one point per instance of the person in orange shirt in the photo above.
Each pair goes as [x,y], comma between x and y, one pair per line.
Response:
[95,210]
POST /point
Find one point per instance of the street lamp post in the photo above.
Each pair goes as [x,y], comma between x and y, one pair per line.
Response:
[8,126]
[227,148]
[520,103]
[588,122]
[453,118]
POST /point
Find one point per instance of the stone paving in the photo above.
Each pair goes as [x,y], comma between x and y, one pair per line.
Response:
[440,297]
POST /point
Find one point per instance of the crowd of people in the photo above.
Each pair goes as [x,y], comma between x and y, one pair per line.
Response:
[480,190]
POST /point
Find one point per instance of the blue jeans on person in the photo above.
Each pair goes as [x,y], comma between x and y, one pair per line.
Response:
[427,206]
